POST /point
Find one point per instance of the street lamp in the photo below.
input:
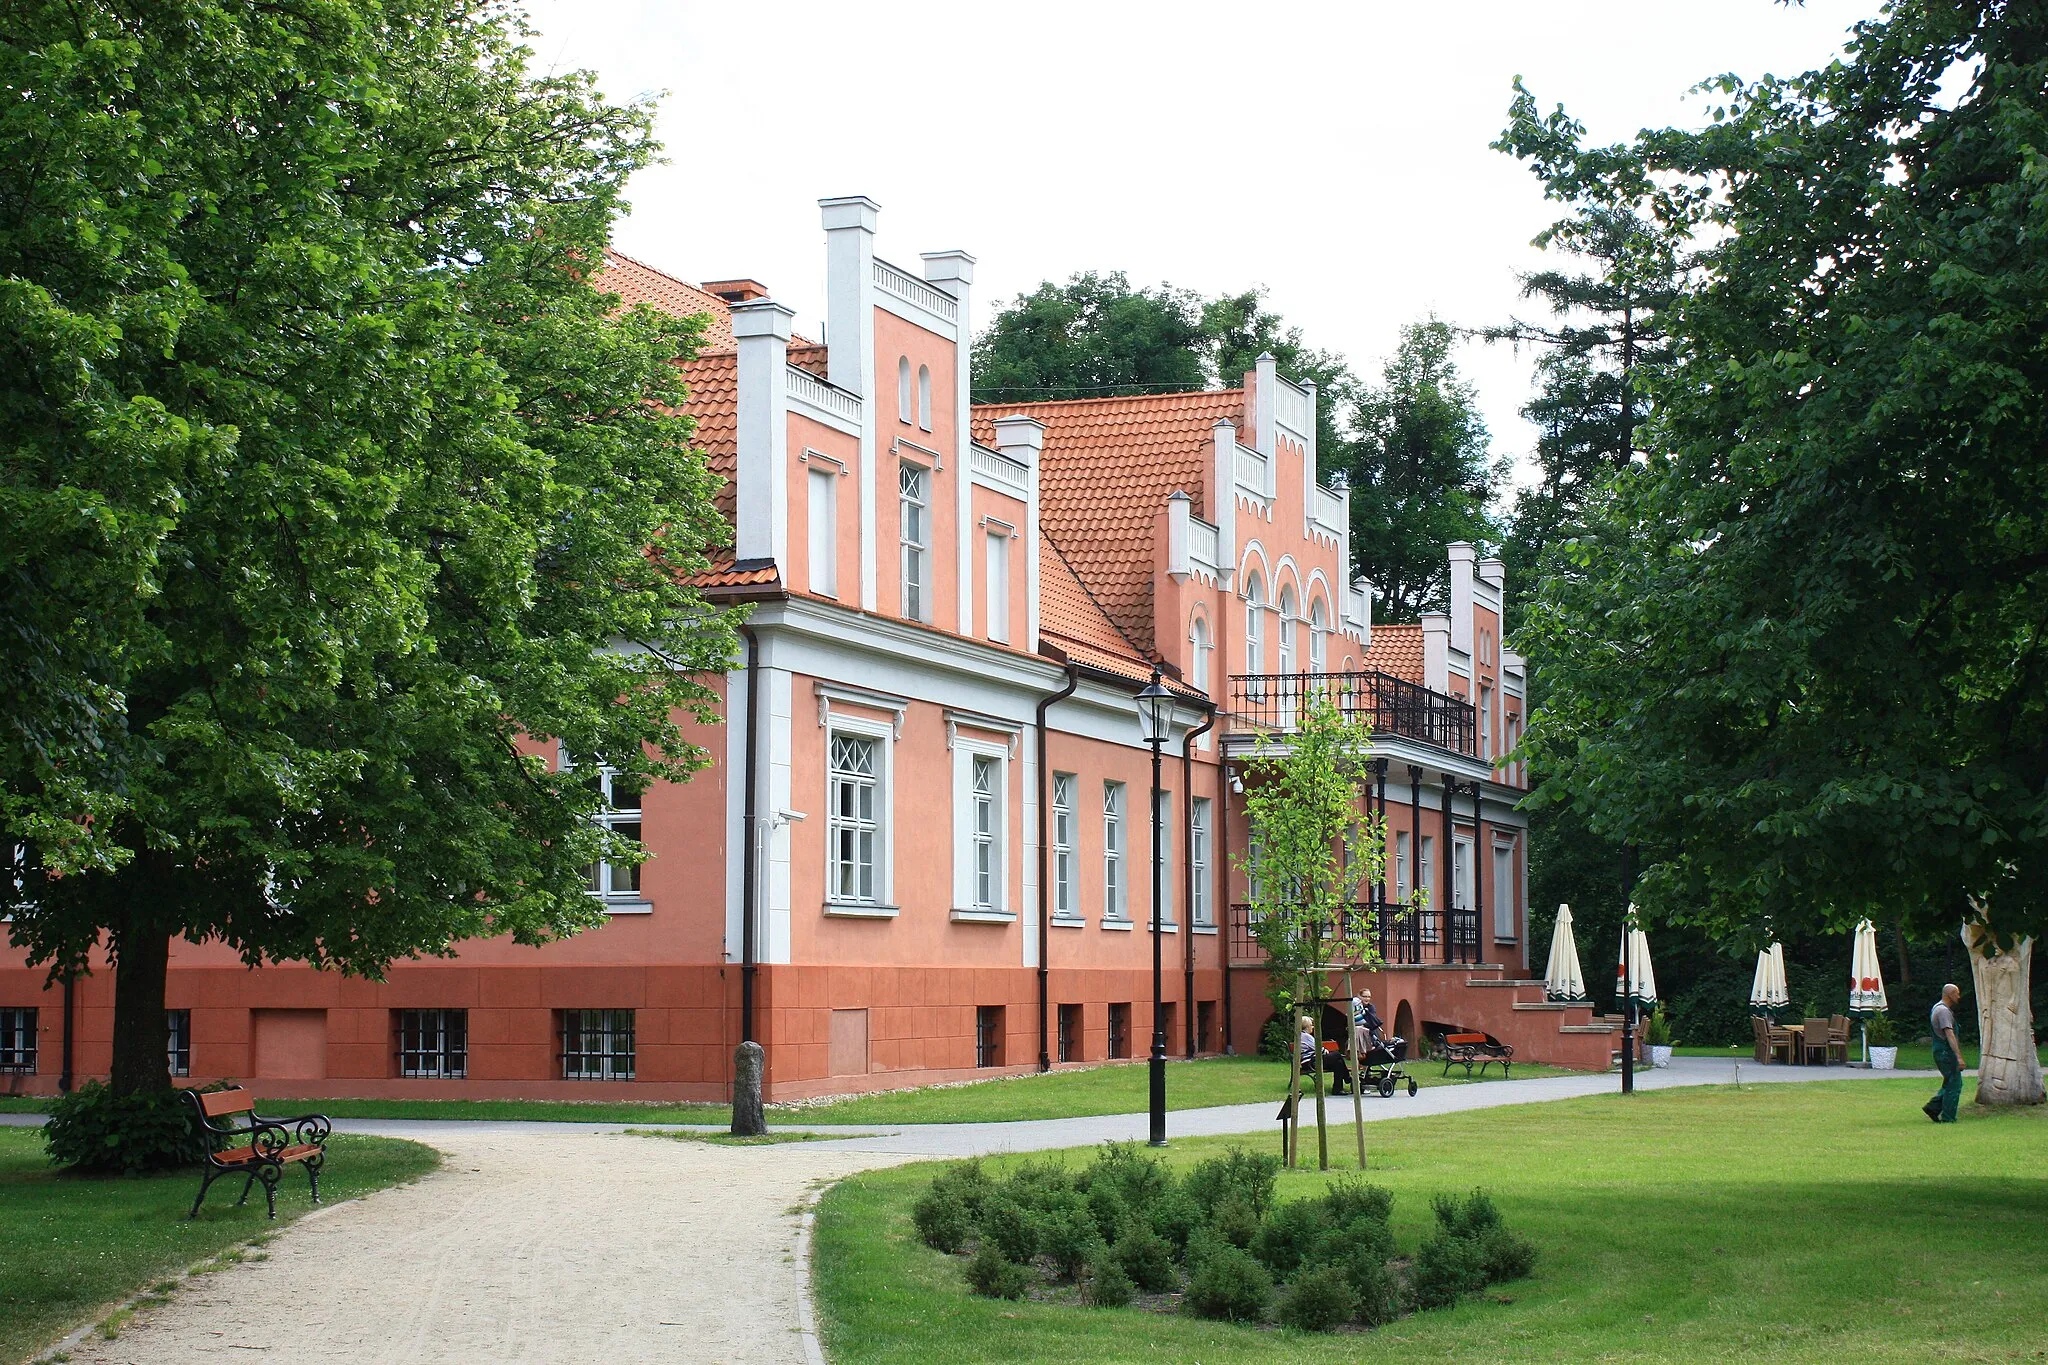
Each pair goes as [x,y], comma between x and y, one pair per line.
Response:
[1155,719]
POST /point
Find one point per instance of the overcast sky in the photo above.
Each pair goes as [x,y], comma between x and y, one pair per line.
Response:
[1334,153]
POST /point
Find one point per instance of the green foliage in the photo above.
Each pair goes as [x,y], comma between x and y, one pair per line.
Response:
[1321,1300]
[1108,1284]
[1289,1234]
[1505,1255]
[1657,1032]
[1377,1288]
[1349,1198]
[1147,1258]
[1093,337]
[1175,1215]
[1468,1217]
[1067,1234]
[1009,1227]
[1471,1249]
[1445,1269]
[1229,1285]
[1250,1176]
[1203,1243]
[1277,1040]
[1236,1221]
[1109,1211]
[1122,1168]
[942,1218]
[1878,1031]
[327,479]
[967,1180]
[995,1276]
[94,1129]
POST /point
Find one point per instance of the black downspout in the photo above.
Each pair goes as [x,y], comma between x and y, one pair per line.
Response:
[1415,871]
[1187,795]
[1223,897]
[1447,870]
[64,1077]
[749,878]
[1044,890]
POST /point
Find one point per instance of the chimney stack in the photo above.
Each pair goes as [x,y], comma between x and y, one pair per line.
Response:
[761,432]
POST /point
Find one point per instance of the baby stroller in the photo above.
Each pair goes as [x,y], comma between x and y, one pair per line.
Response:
[1380,1067]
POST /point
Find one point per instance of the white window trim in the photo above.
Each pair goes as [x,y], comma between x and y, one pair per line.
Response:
[1201,819]
[1116,915]
[907,548]
[822,573]
[614,902]
[965,910]
[1461,873]
[1504,900]
[1169,914]
[996,550]
[884,735]
[1070,915]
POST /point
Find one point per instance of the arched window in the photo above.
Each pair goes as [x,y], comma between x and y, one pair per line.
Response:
[1198,642]
[903,408]
[1318,634]
[924,397]
[1254,624]
[1288,613]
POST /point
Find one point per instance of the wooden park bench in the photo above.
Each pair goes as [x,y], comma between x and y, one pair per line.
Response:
[1475,1049]
[258,1149]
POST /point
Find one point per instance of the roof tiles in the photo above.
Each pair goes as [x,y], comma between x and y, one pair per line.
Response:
[1396,649]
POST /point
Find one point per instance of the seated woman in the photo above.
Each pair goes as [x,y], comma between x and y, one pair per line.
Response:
[1329,1057]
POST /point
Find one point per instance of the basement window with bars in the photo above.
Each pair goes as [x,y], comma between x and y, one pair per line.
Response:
[597,1045]
[18,1041]
[433,1043]
[178,1026]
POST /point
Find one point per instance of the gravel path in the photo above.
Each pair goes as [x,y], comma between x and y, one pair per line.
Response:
[578,1242]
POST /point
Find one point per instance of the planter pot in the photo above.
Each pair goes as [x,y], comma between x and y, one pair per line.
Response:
[1883,1058]
[1659,1055]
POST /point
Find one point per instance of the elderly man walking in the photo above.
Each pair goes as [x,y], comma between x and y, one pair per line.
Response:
[1948,1056]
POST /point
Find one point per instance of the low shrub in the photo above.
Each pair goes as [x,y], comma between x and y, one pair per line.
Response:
[1034,1182]
[1277,1040]
[967,1180]
[1134,1178]
[1108,1284]
[1320,1300]
[1109,1210]
[1231,1286]
[1351,1197]
[1249,1176]
[1445,1268]
[994,1276]
[1067,1235]
[1203,1243]
[1288,1234]
[1465,1218]
[1175,1215]
[942,1218]
[1363,1240]
[1147,1258]
[1380,1294]
[93,1129]
[1009,1227]
[1236,1222]
[1506,1256]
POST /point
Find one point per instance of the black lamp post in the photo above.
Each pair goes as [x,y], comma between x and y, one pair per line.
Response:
[1155,719]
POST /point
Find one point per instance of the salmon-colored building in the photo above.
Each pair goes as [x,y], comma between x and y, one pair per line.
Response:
[924,851]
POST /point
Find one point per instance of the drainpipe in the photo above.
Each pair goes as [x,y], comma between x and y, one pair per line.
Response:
[749,877]
[1044,890]
[1187,796]
[1223,861]
[64,1077]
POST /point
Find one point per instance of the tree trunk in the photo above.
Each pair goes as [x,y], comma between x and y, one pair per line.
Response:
[142,958]
[2009,1071]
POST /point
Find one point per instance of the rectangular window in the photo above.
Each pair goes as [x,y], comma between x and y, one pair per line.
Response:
[433,1042]
[1198,852]
[1503,890]
[178,1024]
[1486,722]
[986,834]
[824,553]
[1063,845]
[854,825]
[1401,867]
[910,487]
[1461,874]
[1163,859]
[1070,1033]
[999,586]
[988,1035]
[1120,1030]
[597,1045]
[18,1041]
[1113,906]
[608,879]
[1423,881]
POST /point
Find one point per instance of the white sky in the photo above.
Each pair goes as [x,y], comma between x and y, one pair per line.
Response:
[1335,153]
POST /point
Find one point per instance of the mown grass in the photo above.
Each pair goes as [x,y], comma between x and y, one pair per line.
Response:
[1827,1222]
[76,1245]
[1054,1095]
[1912,1056]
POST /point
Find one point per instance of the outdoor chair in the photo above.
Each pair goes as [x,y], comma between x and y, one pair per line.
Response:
[1814,1039]
[1770,1040]
[1838,1038]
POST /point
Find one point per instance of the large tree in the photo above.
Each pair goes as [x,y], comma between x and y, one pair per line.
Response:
[1093,337]
[1421,473]
[310,359]
[1805,646]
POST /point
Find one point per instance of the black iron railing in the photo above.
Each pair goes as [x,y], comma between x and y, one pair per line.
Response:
[1406,937]
[1391,706]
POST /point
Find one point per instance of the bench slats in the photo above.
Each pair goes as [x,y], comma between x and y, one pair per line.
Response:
[218,1102]
[236,1156]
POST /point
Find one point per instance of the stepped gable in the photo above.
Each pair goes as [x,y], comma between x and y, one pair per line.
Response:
[1396,649]
[1105,473]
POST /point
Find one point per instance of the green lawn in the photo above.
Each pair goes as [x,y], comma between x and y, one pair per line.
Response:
[1055,1095]
[1912,1056]
[1824,1223]
[76,1245]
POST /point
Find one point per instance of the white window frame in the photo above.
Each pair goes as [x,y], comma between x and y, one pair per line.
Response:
[1115,853]
[1287,621]
[904,412]
[1504,890]
[437,1047]
[996,570]
[915,562]
[1254,624]
[1401,846]
[627,900]
[597,1045]
[883,734]
[20,1040]
[1065,903]
[1461,873]
[1423,883]
[1169,920]
[178,1041]
[824,531]
[1318,637]
[1199,815]
[1486,722]
[971,901]
[924,397]
[1199,647]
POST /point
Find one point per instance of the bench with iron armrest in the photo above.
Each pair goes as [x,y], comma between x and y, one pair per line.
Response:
[1475,1049]
[257,1150]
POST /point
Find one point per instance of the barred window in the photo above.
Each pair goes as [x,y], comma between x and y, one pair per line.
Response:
[18,1040]
[854,823]
[433,1042]
[597,1045]
[1063,845]
[179,1027]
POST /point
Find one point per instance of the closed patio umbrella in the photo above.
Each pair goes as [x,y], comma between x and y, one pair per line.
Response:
[1563,980]
[1866,981]
[1767,994]
[1642,981]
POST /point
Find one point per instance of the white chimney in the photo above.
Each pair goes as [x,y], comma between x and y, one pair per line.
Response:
[761,433]
[1464,555]
[850,342]
[1022,439]
[1266,383]
[1178,565]
[1436,652]
[953,273]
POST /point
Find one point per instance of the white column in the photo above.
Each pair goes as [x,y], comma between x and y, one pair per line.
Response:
[1023,439]
[953,272]
[1464,556]
[1436,652]
[1266,380]
[1223,502]
[761,433]
[850,340]
[776,706]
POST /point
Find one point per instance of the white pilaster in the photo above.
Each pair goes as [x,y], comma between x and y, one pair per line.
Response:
[1022,439]
[1223,500]
[953,272]
[850,338]
[1436,652]
[1265,423]
[776,691]
[761,433]
[1178,562]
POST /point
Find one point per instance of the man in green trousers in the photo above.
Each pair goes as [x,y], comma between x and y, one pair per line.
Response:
[1948,1056]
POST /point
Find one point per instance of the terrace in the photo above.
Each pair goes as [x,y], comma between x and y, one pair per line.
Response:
[1269,703]
[1405,936]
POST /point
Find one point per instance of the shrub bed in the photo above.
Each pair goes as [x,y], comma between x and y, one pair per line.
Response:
[1215,1243]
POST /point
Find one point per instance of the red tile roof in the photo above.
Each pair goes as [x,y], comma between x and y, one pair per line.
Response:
[637,282]
[1105,473]
[1396,649]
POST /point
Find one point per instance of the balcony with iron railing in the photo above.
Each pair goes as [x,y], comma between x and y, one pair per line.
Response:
[1271,703]
[1404,935]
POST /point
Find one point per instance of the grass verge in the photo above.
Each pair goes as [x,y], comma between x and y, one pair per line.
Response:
[77,1244]
[1824,1222]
